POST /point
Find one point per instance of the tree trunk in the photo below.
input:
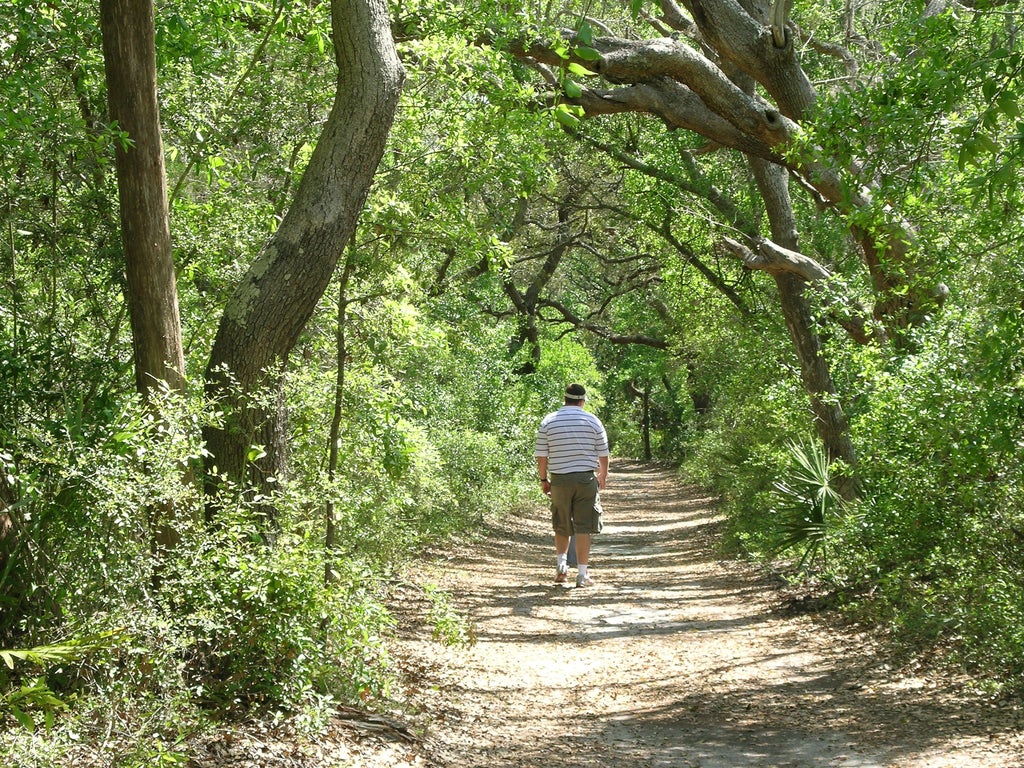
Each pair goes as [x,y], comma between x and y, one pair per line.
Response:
[129,54]
[646,417]
[334,449]
[271,305]
[829,419]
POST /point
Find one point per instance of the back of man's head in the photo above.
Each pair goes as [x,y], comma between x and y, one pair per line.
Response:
[575,394]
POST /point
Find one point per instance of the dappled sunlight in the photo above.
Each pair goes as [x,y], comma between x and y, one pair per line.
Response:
[674,658]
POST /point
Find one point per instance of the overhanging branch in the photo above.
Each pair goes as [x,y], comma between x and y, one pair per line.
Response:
[774,259]
[568,316]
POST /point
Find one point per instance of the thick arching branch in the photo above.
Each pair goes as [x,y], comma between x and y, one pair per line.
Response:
[749,44]
[678,107]
[669,78]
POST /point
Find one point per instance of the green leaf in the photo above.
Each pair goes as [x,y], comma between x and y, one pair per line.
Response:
[586,33]
[969,151]
[25,719]
[1008,105]
[565,117]
[987,143]
[1006,174]
[586,53]
[572,89]
[579,69]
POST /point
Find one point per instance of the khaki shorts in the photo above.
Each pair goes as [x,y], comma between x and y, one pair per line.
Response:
[575,503]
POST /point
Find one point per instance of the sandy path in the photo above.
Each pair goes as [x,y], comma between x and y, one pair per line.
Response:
[674,658]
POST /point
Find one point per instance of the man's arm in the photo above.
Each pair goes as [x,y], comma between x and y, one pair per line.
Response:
[542,472]
[602,473]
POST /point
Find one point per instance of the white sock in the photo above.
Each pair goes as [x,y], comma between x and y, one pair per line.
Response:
[582,571]
[562,560]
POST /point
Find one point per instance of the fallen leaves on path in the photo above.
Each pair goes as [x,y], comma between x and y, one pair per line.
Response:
[676,658]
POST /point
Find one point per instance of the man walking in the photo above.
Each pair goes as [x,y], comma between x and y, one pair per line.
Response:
[572,460]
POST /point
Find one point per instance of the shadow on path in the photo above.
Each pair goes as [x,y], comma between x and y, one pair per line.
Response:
[674,658]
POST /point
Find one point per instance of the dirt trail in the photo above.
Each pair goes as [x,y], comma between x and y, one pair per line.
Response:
[674,659]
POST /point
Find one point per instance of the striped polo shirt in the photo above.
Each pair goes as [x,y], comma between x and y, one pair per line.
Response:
[572,439]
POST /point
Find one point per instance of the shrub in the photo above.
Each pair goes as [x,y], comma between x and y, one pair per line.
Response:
[942,532]
[261,630]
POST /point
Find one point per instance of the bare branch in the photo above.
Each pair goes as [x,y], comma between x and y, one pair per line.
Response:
[673,15]
[775,259]
[834,50]
[566,315]
[780,16]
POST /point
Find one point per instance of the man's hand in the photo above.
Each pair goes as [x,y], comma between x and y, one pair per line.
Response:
[602,472]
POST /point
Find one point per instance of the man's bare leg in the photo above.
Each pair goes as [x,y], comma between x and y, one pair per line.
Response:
[561,544]
[582,549]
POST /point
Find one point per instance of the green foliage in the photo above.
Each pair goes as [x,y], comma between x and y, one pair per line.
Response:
[64,652]
[257,630]
[754,408]
[432,450]
[942,510]
[450,628]
[475,467]
[25,701]
[563,362]
[32,699]
[82,496]
[808,503]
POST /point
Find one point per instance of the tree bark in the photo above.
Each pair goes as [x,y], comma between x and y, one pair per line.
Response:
[273,302]
[129,53]
[829,419]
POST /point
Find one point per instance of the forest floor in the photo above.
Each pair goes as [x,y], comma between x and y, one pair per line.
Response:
[676,658]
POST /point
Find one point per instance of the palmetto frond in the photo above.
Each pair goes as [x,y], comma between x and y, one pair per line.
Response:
[807,502]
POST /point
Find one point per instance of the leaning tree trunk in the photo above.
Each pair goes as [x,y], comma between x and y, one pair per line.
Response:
[272,304]
[829,419]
